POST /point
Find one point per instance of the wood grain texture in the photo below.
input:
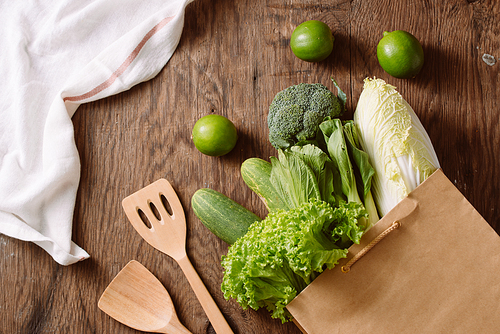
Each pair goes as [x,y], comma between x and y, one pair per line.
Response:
[232,59]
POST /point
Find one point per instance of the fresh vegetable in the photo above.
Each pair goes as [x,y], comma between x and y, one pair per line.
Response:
[352,165]
[399,148]
[282,254]
[337,148]
[302,173]
[323,169]
[364,171]
[221,215]
[256,173]
[312,41]
[293,179]
[400,54]
[296,112]
[214,135]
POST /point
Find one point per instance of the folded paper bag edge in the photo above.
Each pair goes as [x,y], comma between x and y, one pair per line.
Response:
[406,208]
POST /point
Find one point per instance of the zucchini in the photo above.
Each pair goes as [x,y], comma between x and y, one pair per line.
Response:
[256,173]
[224,217]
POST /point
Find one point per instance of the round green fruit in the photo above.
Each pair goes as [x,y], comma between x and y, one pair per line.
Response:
[214,135]
[312,41]
[400,54]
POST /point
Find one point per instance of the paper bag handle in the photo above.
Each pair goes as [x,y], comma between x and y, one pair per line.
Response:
[347,267]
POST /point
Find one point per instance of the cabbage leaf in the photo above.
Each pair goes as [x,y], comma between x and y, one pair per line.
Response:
[326,175]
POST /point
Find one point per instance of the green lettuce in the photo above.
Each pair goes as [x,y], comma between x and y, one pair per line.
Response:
[280,255]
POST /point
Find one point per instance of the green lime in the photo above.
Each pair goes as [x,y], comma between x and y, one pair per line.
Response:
[312,41]
[214,135]
[400,54]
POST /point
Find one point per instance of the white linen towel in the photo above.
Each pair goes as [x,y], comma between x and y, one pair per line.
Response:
[54,56]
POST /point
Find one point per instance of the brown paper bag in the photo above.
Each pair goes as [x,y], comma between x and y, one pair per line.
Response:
[439,272]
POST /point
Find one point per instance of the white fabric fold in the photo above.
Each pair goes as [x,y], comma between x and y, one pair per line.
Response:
[56,55]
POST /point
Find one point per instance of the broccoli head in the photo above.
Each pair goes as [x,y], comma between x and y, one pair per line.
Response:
[296,112]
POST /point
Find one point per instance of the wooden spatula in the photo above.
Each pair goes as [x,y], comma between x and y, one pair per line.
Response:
[137,299]
[156,213]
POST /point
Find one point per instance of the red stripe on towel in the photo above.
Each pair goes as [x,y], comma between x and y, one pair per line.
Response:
[123,66]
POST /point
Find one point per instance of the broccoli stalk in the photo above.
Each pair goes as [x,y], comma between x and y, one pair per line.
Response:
[297,111]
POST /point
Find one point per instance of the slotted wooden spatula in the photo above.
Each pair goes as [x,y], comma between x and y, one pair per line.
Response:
[157,214]
[136,298]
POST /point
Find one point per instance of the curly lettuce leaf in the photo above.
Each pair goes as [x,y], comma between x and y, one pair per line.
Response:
[348,230]
[280,255]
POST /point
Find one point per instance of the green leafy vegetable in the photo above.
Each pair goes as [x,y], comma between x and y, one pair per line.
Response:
[319,186]
[293,179]
[363,170]
[337,148]
[352,164]
[323,169]
[350,231]
[360,158]
[282,254]
[397,144]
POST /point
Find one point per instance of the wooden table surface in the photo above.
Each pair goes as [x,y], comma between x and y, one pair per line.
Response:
[233,57]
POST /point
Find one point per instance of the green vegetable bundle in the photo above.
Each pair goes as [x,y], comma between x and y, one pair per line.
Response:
[319,203]
[318,190]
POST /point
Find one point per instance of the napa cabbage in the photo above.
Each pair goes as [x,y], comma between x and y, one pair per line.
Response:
[396,142]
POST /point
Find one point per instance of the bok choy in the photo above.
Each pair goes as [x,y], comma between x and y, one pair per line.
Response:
[352,165]
[399,148]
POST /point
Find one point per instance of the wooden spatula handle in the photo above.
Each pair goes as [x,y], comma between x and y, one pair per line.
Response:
[209,306]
